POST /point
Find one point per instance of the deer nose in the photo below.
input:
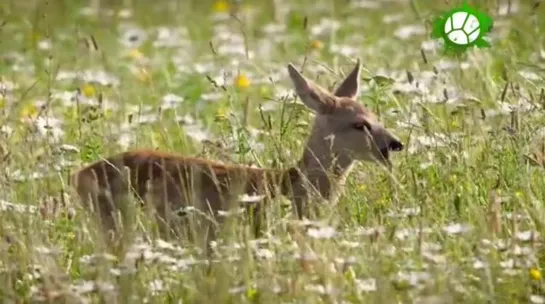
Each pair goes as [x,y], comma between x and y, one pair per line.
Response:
[395,145]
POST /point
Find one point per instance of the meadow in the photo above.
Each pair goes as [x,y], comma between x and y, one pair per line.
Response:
[459,219]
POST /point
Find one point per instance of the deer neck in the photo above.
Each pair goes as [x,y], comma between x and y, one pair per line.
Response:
[321,170]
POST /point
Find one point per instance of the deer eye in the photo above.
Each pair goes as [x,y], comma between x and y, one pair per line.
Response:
[361,126]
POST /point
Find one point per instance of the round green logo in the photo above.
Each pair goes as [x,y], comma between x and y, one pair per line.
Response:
[462,28]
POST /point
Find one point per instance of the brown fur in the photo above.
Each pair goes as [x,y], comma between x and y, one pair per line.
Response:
[170,182]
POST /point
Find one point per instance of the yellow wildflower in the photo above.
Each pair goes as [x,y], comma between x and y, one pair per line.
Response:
[221,6]
[519,194]
[251,293]
[108,113]
[135,54]
[349,274]
[35,37]
[88,90]
[316,44]
[535,274]
[246,8]
[242,82]
[264,91]
[381,202]
[156,138]
[143,75]
[29,111]
[221,113]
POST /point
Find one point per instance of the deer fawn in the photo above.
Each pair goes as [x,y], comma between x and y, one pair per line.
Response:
[344,131]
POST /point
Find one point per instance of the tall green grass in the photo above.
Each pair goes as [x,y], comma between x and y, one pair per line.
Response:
[455,222]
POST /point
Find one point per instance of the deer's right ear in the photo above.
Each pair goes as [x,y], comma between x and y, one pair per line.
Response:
[310,94]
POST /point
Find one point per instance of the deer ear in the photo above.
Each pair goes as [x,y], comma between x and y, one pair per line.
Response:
[311,95]
[350,87]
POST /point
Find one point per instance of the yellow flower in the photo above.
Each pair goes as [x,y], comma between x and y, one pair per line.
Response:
[349,274]
[221,6]
[35,36]
[535,274]
[519,194]
[246,8]
[29,111]
[143,75]
[135,54]
[221,113]
[156,138]
[242,82]
[316,44]
[108,113]
[264,91]
[251,293]
[88,90]
[362,187]
[381,202]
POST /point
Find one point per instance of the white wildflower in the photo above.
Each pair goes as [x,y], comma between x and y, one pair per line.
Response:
[366,285]
[537,299]
[456,228]
[321,233]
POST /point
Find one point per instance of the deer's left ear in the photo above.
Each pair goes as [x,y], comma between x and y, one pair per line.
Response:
[311,94]
[350,87]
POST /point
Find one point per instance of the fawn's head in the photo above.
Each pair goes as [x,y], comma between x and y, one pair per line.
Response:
[355,130]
